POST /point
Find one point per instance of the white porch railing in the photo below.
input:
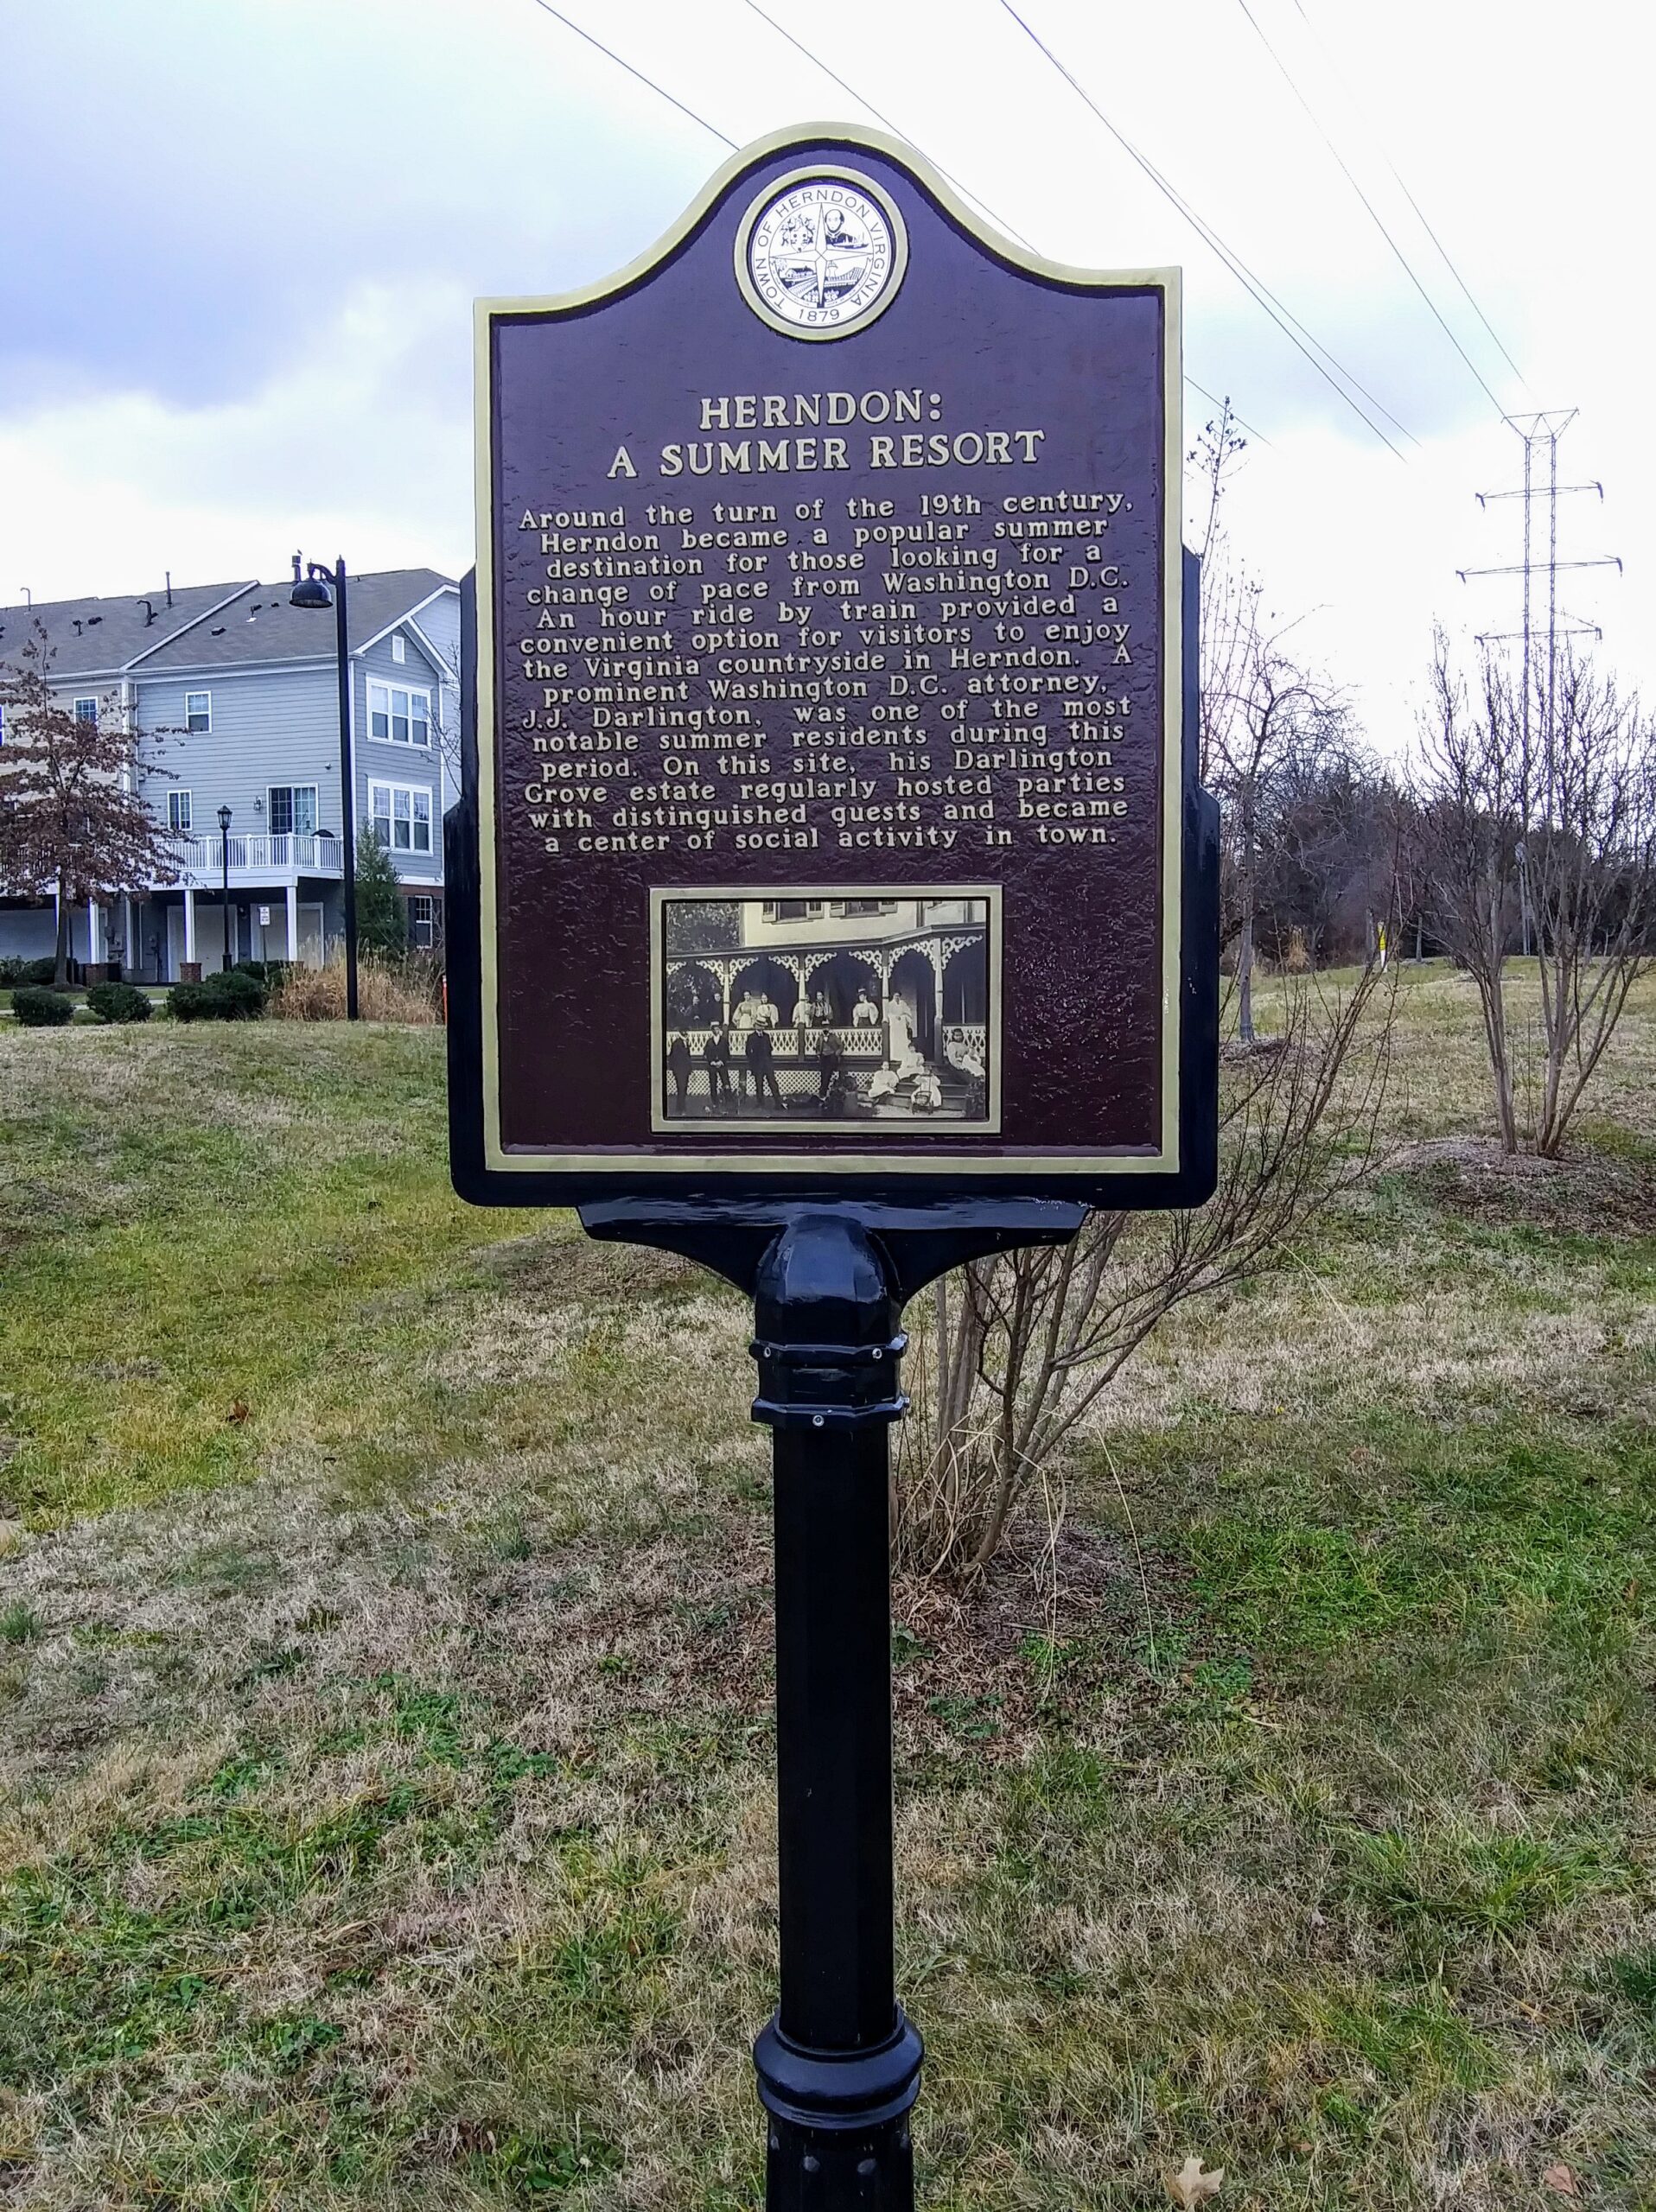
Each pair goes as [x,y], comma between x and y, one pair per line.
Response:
[257,856]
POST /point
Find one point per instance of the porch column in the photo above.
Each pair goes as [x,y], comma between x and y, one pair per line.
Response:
[293,920]
[94,930]
[189,923]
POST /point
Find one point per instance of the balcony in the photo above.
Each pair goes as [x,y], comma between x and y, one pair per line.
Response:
[257,857]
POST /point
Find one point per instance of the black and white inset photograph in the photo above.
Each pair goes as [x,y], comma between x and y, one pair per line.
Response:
[824,1008]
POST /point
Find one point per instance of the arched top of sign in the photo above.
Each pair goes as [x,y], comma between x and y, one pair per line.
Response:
[855,137]
[821,252]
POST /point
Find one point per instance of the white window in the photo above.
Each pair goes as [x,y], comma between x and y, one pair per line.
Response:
[293,809]
[178,810]
[423,919]
[399,717]
[86,710]
[401,814]
[198,711]
[399,647]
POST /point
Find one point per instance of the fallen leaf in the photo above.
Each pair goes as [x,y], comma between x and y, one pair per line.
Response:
[1192,2184]
[1561,2181]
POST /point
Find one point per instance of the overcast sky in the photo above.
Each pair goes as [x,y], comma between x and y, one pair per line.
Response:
[242,238]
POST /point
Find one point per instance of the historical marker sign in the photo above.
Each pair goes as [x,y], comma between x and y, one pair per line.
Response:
[834,818]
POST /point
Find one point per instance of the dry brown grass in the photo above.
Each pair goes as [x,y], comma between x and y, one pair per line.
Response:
[406,992]
[396,1816]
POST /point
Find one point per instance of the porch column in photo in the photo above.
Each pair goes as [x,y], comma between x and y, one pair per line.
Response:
[189,923]
[293,920]
[94,930]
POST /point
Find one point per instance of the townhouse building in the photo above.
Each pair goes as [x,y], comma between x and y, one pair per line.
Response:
[229,695]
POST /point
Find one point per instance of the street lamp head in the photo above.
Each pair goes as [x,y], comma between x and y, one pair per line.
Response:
[312,592]
[224,820]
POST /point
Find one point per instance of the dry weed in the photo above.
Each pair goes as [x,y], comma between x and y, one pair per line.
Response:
[401,993]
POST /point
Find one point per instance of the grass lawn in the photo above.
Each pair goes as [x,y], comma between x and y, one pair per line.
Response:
[384,1813]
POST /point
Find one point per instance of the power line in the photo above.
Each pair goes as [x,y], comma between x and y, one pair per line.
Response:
[611,56]
[1420,212]
[873,111]
[833,75]
[1345,171]
[1213,400]
[1281,316]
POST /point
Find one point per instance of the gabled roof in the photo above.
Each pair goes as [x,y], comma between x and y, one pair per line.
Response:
[211,625]
[102,637]
[262,625]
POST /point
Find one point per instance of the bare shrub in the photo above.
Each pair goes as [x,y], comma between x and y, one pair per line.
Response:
[406,990]
[1539,816]
[1012,1353]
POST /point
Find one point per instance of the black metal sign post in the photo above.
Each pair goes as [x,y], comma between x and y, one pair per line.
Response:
[840,2063]
[832,1078]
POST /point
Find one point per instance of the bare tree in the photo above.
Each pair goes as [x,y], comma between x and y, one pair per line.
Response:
[1555,826]
[1016,1351]
[1259,707]
[1590,872]
[1280,712]
[72,821]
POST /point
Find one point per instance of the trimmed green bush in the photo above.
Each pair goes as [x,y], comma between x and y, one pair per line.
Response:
[36,1007]
[240,997]
[231,995]
[118,1002]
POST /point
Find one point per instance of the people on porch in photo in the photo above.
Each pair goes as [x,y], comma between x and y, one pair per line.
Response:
[865,1014]
[679,1065]
[716,1059]
[826,1050]
[758,1052]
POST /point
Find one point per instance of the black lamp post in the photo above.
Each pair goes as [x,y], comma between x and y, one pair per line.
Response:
[224,856]
[313,590]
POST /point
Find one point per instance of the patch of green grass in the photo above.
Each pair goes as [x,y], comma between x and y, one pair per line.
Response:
[1436,1884]
[532,2169]
[306,1169]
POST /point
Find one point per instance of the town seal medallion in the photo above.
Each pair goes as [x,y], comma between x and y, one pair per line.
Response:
[821,252]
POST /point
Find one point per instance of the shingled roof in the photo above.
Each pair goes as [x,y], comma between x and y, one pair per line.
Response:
[262,624]
[102,637]
[209,626]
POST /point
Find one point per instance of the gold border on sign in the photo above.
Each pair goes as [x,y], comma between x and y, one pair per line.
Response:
[990,893]
[645,1160]
[768,198]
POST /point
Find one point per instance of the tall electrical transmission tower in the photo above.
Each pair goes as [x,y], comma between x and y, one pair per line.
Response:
[1540,433]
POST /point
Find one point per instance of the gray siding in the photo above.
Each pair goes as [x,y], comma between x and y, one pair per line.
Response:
[275,726]
[420,767]
[440,622]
